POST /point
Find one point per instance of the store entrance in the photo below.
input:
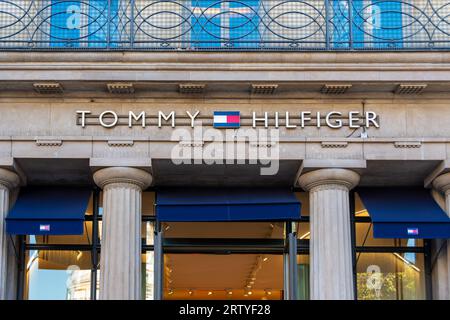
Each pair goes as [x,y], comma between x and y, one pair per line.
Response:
[225,260]
[223,276]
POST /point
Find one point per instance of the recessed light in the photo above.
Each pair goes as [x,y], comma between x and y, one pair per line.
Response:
[250,293]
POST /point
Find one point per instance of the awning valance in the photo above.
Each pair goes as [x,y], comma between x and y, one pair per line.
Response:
[405,213]
[48,211]
[226,204]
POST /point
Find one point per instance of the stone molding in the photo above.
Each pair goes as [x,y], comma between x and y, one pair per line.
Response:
[8,179]
[334,144]
[332,177]
[48,143]
[122,175]
[408,144]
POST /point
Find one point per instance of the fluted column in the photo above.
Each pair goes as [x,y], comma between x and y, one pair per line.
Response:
[8,181]
[120,262]
[331,274]
[442,185]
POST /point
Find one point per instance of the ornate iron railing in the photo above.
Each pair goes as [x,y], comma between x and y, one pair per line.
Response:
[224,25]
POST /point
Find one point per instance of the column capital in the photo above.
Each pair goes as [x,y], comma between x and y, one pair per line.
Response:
[135,176]
[343,177]
[9,179]
[442,183]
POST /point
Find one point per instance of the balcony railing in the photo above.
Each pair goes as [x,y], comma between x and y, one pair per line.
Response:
[229,25]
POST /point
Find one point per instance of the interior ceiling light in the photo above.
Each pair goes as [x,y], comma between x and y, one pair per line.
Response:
[307,234]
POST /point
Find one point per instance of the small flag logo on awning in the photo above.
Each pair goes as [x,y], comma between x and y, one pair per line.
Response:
[413,231]
[227,119]
[44,227]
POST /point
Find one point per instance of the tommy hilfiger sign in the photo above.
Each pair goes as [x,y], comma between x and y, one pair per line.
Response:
[231,119]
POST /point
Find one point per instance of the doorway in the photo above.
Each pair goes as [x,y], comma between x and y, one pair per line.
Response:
[228,261]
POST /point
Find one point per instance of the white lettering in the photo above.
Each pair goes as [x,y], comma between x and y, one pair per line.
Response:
[161,116]
[288,125]
[337,122]
[353,119]
[371,117]
[265,119]
[304,117]
[108,125]
[83,117]
[132,116]
[192,117]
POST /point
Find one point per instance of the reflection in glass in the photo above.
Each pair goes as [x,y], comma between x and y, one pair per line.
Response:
[303,231]
[147,232]
[58,275]
[148,275]
[303,197]
[303,277]
[227,230]
[230,277]
[390,276]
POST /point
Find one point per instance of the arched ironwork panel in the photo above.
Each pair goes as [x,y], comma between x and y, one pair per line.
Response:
[225,24]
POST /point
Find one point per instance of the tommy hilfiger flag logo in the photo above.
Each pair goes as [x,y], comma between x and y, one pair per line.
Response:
[413,231]
[227,119]
[44,227]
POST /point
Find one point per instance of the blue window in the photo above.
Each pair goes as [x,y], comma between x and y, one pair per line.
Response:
[387,24]
[83,23]
[218,23]
[339,24]
[98,23]
[376,24]
[65,22]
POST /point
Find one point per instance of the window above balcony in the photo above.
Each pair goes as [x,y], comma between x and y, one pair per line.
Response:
[228,25]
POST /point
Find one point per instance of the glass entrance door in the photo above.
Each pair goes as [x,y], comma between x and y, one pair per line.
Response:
[223,276]
[224,260]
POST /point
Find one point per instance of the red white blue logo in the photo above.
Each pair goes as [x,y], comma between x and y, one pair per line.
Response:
[227,119]
[413,231]
[44,227]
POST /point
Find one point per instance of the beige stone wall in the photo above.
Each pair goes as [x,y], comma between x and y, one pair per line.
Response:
[409,129]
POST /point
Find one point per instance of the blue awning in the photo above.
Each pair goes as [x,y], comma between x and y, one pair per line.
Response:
[405,213]
[226,204]
[49,211]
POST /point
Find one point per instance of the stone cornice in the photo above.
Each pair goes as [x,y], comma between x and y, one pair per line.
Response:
[122,175]
[205,67]
[323,177]
[360,57]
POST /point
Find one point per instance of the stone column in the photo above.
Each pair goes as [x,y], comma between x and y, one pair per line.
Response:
[442,185]
[120,260]
[8,181]
[330,245]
